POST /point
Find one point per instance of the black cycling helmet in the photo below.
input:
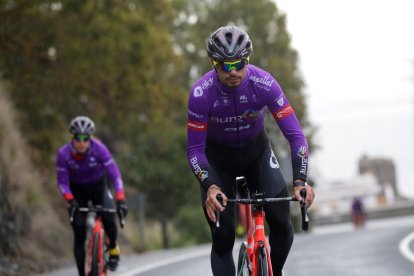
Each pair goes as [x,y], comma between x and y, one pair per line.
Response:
[229,43]
[82,125]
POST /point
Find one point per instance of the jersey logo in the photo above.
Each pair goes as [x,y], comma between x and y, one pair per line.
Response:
[281,101]
[196,126]
[202,175]
[237,129]
[250,114]
[302,152]
[283,113]
[273,161]
[226,101]
[198,92]
[243,99]
[195,114]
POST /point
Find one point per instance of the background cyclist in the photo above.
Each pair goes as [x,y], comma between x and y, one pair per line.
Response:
[82,165]
[358,213]
[226,138]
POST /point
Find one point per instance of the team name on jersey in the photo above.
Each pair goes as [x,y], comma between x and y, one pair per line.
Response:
[223,120]
[201,174]
[264,80]
[207,83]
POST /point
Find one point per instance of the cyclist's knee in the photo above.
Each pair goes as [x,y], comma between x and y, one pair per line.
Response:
[80,235]
[280,226]
[223,241]
[109,219]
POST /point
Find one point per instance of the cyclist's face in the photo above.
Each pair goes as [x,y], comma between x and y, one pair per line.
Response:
[81,146]
[231,79]
[81,143]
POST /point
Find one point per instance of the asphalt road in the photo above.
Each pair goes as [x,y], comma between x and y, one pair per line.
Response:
[384,247]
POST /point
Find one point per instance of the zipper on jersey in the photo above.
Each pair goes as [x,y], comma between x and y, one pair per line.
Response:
[237,120]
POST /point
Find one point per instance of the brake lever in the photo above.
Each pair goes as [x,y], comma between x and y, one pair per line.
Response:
[220,200]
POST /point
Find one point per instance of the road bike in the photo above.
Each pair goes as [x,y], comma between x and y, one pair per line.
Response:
[254,253]
[96,242]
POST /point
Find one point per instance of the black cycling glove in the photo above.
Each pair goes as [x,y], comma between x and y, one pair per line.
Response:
[122,209]
[72,207]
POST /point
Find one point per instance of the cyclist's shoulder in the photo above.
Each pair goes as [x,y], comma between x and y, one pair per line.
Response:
[201,87]
[99,150]
[97,147]
[64,149]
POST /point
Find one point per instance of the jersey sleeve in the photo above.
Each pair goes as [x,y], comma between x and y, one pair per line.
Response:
[197,124]
[113,172]
[62,174]
[288,123]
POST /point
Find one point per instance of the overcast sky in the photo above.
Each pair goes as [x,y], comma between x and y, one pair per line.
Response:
[357,59]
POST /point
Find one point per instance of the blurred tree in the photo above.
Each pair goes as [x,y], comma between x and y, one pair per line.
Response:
[100,58]
[113,61]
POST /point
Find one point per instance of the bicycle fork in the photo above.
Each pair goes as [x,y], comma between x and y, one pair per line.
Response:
[253,248]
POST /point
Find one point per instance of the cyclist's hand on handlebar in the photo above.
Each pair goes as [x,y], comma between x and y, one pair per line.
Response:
[122,209]
[72,207]
[212,204]
[310,195]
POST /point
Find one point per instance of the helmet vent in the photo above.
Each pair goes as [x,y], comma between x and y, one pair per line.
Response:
[229,37]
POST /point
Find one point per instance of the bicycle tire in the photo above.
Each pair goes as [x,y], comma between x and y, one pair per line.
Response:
[242,264]
[263,267]
[94,265]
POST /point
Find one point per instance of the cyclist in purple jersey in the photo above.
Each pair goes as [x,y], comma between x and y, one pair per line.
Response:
[226,139]
[82,166]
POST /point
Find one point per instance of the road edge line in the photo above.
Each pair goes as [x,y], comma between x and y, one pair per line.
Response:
[187,256]
[404,247]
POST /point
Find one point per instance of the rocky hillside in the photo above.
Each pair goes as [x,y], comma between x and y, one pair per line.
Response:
[33,233]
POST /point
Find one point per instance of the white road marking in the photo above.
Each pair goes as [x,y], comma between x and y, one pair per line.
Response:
[404,247]
[184,257]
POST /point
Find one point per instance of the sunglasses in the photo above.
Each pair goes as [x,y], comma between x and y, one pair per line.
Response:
[228,66]
[82,137]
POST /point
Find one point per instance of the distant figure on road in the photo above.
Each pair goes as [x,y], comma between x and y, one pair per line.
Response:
[358,212]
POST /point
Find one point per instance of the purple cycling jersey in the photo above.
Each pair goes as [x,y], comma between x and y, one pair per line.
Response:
[235,116]
[87,170]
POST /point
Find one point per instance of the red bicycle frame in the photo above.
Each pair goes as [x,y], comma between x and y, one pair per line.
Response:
[252,253]
[256,237]
[96,242]
[96,257]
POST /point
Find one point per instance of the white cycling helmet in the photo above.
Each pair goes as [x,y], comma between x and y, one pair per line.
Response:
[82,125]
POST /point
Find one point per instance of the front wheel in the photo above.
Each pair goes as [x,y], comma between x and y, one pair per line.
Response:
[263,266]
[243,265]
